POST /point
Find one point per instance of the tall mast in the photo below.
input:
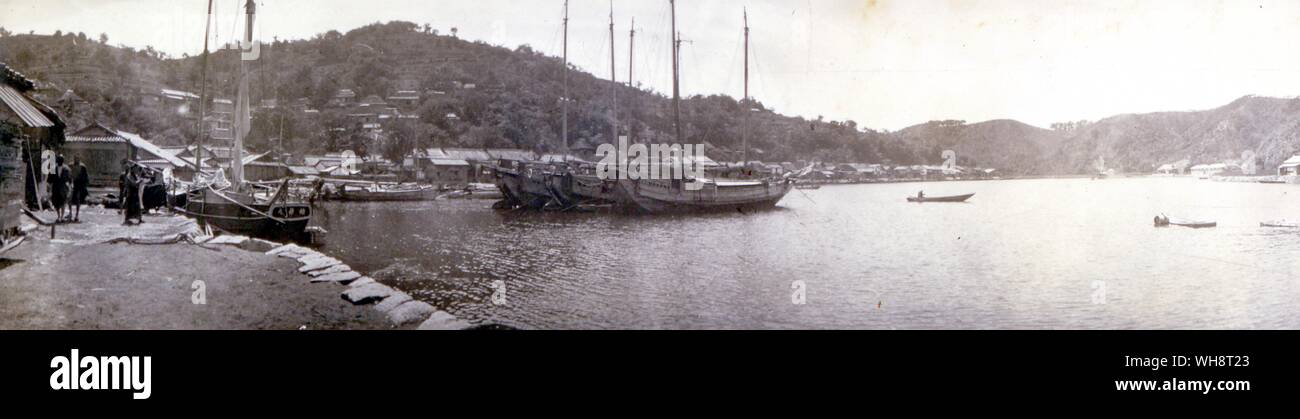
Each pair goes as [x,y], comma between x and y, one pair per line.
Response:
[564,100]
[631,43]
[203,98]
[613,76]
[243,108]
[744,103]
[677,105]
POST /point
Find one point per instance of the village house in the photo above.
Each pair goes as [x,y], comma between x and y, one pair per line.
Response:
[344,98]
[102,150]
[37,127]
[1290,167]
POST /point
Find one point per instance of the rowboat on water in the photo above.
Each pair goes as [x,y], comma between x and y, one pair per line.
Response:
[955,198]
[1166,221]
[807,186]
[1281,224]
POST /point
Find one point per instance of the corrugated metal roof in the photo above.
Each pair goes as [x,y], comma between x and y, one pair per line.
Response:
[23,108]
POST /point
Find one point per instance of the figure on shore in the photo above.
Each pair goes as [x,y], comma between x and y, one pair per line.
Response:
[121,186]
[80,187]
[59,188]
[131,195]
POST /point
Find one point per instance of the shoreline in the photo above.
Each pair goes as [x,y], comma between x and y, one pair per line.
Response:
[164,274]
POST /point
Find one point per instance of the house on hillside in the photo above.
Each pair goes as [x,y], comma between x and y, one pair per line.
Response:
[343,98]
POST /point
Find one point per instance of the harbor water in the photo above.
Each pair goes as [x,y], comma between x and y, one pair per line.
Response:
[1021,254]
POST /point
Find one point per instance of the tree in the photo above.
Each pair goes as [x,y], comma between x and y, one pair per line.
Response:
[454,31]
[4,32]
[103,38]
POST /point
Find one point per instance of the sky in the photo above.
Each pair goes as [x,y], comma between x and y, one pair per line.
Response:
[885,64]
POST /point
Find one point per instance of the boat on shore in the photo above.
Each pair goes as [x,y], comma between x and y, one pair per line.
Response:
[954,198]
[1167,221]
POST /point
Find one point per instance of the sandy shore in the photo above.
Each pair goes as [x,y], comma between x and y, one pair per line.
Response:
[79,281]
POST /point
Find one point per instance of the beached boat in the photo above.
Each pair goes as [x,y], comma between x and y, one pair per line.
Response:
[955,198]
[1166,221]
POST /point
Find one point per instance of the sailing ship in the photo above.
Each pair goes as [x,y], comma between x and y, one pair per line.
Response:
[235,206]
[709,193]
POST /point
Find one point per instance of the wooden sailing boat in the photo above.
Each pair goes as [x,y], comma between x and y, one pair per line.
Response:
[234,206]
[579,184]
[707,194]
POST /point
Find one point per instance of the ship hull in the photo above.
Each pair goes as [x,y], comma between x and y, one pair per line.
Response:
[666,197]
[290,220]
[511,184]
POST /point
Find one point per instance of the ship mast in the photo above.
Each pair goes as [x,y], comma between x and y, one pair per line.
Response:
[613,76]
[631,43]
[564,99]
[677,105]
[203,98]
[242,108]
[744,103]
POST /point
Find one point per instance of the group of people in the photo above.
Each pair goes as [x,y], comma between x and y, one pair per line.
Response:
[60,198]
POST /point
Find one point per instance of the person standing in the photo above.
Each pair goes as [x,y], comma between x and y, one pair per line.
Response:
[131,195]
[59,188]
[80,187]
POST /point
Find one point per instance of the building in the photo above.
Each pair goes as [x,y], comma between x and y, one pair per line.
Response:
[344,98]
[448,172]
[102,150]
[1207,170]
[35,126]
[262,167]
[1290,167]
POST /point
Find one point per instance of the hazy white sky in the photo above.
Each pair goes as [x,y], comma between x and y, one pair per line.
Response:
[886,64]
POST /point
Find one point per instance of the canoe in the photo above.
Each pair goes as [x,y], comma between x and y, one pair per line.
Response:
[956,198]
[1280,224]
[1179,222]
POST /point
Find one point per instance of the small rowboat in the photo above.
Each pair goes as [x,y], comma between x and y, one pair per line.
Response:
[1280,224]
[807,186]
[1165,221]
[957,198]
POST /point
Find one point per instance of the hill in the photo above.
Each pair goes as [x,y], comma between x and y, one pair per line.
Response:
[471,94]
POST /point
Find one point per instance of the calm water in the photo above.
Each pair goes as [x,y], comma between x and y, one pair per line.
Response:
[1021,254]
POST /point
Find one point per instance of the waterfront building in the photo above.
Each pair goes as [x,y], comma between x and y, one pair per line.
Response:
[102,149]
[1291,167]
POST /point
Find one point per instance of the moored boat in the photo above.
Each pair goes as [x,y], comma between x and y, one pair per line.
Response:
[376,193]
[1281,224]
[955,198]
[1167,221]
